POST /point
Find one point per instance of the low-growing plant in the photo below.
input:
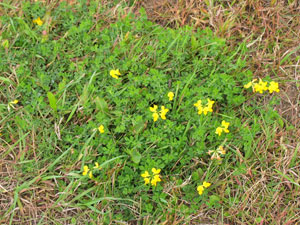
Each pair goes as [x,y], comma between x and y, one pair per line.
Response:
[131,117]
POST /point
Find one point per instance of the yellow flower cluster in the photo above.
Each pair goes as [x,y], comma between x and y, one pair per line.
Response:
[201,188]
[153,179]
[88,171]
[206,109]
[115,73]
[262,86]
[223,128]
[162,113]
[38,21]
[215,154]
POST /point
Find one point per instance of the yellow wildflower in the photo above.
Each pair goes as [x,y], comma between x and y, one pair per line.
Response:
[206,184]
[223,128]
[115,73]
[261,86]
[154,108]
[273,87]
[97,166]
[219,131]
[210,103]
[14,102]
[91,174]
[206,109]
[38,21]
[201,188]
[163,112]
[153,179]
[171,96]
[101,129]
[154,114]
[155,171]
[85,170]
[250,84]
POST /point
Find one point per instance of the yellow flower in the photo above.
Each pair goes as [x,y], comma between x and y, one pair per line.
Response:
[273,87]
[219,131]
[145,174]
[155,116]
[153,179]
[171,96]
[206,109]
[210,103]
[250,84]
[200,189]
[14,102]
[97,166]
[260,86]
[223,128]
[154,108]
[85,170]
[91,174]
[206,184]
[115,73]
[198,104]
[147,180]
[38,21]
[155,171]
[163,112]
[101,129]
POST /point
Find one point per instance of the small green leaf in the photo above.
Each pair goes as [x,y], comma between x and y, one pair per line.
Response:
[101,105]
[135,156]
[52,101]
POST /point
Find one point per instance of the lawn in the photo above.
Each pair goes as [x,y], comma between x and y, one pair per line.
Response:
[149,112]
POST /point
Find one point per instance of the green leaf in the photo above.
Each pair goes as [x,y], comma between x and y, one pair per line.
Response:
[135,156]
[101,105]
[52,101]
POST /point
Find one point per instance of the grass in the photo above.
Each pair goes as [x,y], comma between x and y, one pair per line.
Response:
[61,79]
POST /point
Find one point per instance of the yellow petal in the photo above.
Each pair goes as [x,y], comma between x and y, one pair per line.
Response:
[219,131]
[91,175]
[248,85]
[155,171]
[154,108]
[145,174]
[15,101]
[157,178]
[155,116]
[171,96]
[96,165]
[200,189]
[101,129]
[198,104]
[225,124]
[147,180]
[206,184]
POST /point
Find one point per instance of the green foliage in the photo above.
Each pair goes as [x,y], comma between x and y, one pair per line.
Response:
[64,82]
